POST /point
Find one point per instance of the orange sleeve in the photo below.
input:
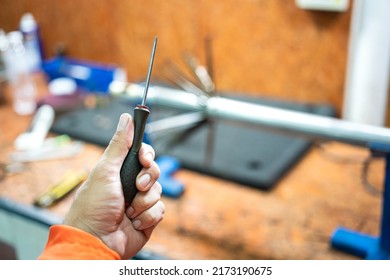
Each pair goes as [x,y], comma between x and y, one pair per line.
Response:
[69,243]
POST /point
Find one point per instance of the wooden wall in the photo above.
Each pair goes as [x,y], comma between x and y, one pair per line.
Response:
[269,48]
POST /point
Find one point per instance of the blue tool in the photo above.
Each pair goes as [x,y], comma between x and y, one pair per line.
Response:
[170,187]
[367,246]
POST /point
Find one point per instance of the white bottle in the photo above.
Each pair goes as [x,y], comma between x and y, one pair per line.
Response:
[19,75]
[30,30]
[3,48]
[3,73]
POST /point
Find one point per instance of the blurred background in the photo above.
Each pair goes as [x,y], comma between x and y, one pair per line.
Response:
[325,57]
[259,47]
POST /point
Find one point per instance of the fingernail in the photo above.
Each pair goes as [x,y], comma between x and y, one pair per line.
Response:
[130,211]
[144,180]
[137,224]
[123,120]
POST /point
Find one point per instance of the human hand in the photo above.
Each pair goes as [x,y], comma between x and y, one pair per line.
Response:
[99,206]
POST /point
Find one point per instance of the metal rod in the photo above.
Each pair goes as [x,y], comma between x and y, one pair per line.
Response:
[177,122]
[163,96]
[149,71]
[177,78]
[209,58]
[311,125]
[201,73]
[304,123]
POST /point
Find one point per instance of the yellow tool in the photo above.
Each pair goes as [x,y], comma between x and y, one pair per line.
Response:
[71,180]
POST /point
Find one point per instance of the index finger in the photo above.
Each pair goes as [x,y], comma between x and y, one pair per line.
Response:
[146,155]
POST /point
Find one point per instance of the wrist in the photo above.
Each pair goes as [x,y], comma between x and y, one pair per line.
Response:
[75,222]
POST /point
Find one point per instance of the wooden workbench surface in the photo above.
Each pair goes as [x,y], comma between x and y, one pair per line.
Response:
[218,219]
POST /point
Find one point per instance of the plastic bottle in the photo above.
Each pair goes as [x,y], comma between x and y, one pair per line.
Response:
[19,75]
[3,48]
[30,30]
[3,73]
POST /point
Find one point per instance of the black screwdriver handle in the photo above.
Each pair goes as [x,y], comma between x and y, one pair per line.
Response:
[131,166]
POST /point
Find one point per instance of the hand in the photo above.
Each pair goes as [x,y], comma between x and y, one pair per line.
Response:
[99,206]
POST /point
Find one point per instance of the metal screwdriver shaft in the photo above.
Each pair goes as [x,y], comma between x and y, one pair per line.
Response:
[131,166]
[149,71]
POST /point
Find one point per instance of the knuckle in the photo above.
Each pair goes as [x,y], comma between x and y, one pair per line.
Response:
[154,215]
[157,215]
[141,205]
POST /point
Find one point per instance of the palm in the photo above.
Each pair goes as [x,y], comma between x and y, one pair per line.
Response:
[106,220]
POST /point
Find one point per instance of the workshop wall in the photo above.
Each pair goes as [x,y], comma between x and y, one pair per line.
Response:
[269,48]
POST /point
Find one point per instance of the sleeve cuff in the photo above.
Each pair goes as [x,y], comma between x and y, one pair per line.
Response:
[69,243]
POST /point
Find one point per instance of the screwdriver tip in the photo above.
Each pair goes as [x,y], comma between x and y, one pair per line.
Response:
[149,71]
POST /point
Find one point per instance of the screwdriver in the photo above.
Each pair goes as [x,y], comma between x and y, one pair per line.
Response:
[131,166]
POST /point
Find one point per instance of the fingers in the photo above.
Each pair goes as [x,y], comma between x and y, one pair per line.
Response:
[146,155]
[149,218]
[151,172]
[147,177]
[144,200]
[147,209]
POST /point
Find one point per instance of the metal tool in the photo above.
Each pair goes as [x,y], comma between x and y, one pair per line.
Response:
[175,123]
[131,165]
[204,90]
[201,74]
[176,77]
[209,58]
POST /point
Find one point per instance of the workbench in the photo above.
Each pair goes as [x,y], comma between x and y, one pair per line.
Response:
[219,219]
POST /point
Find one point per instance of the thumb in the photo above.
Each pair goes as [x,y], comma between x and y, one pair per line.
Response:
[121,141]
